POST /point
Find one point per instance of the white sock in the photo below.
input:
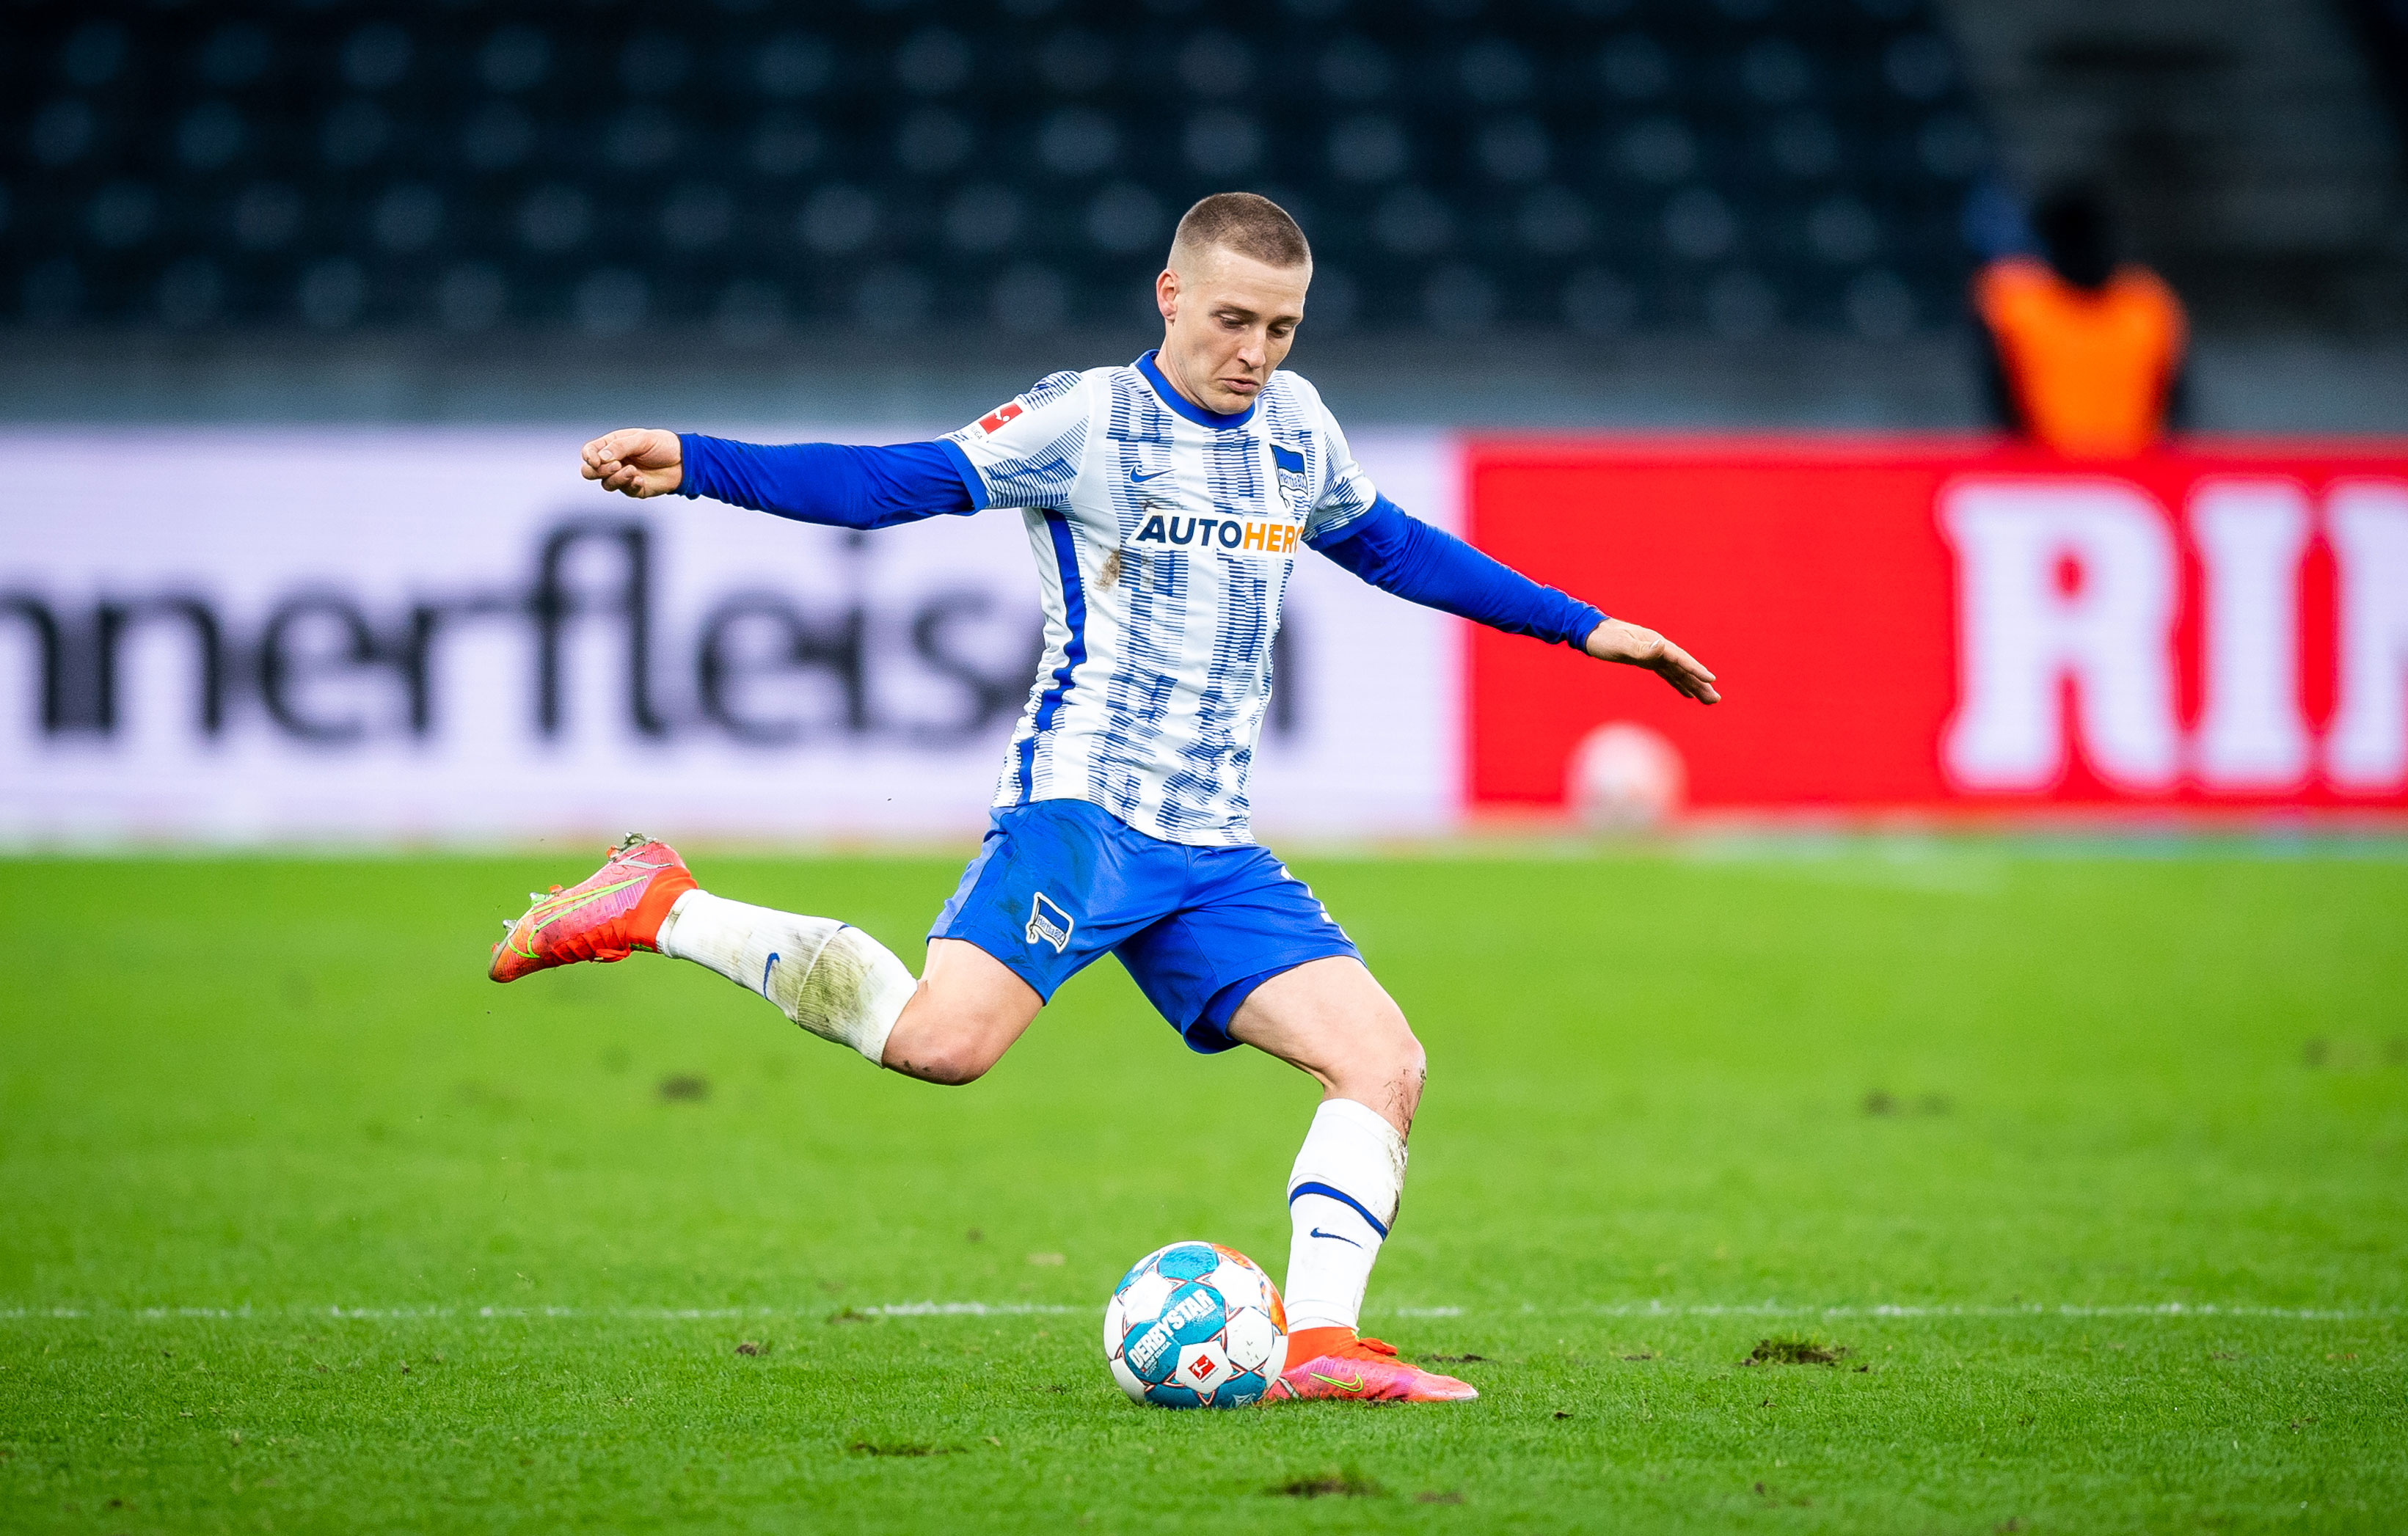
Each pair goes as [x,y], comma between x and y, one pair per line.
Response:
[836,981]
[1341,1200]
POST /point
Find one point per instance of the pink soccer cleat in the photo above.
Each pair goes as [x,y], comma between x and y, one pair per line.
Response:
[612,914]
[1341,1365]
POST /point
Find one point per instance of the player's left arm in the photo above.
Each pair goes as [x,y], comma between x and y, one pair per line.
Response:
[1397,552]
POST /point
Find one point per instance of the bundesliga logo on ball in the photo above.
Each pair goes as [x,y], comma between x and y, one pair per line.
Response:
[1196,1325]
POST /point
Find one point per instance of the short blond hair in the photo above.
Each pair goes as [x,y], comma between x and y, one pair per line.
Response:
[1246,222]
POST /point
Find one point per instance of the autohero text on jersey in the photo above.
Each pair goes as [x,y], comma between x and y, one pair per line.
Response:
[1244,535]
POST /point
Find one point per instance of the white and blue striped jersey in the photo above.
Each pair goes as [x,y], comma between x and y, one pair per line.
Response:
[1164,536]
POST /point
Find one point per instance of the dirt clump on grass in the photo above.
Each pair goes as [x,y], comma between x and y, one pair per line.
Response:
[1330,1484]
[867,1447]
[1794,1350]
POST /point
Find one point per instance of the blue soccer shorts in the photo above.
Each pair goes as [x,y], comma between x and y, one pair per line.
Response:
[1059,883]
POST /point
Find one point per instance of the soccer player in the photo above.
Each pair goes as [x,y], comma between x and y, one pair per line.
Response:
[1166,502]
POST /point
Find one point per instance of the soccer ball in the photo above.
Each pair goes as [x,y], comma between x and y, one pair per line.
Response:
[1625,777]
[1196,1325]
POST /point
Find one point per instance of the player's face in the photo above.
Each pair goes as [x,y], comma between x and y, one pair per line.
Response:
[1227,322]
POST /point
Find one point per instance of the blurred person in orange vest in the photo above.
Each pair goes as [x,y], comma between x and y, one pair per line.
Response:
[2085,354]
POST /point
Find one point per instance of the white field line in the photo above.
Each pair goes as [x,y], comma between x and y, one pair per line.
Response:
[1032,1309]
[2033,1309]
[389,1315]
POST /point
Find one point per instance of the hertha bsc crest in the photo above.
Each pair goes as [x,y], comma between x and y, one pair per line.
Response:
[1047,923]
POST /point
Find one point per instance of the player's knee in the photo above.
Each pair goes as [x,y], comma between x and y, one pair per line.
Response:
[1400,1049]
[1408,1067]
[953,1069]
[1386,1065]
[950,1050]
[952,1062]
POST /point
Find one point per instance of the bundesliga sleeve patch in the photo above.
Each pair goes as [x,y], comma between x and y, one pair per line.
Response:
[1000,418]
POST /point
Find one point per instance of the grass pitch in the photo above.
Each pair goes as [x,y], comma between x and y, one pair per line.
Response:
[1876,1186]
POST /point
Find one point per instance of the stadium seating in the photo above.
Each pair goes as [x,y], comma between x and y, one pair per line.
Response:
[2383,34]
[736,170]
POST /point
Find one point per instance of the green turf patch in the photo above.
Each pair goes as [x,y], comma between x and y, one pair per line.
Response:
[2095,1166]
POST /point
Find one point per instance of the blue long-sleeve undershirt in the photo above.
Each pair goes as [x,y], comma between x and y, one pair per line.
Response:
[849,487]
[834,483]
[1397,552]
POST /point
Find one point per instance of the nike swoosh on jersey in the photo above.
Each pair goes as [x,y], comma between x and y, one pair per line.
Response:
[1135,478]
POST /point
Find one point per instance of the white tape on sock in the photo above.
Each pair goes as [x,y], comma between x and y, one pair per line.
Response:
[832,979]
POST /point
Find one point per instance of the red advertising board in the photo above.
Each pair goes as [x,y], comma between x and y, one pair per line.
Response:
[1954,626]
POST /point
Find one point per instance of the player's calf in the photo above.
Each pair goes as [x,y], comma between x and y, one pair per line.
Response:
[1332,1020]
[829,977]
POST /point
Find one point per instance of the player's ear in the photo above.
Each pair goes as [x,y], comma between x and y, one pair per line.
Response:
[1166,295]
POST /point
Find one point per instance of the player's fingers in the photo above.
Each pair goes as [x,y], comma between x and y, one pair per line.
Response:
[1687,663]
[1676,660]
[1689,679]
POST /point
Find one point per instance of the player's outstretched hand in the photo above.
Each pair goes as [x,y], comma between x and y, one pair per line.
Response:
[636,462]
[1631,646]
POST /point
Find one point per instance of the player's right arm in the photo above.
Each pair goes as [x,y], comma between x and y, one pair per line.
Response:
[636,462]
[832,483]
[1023,453]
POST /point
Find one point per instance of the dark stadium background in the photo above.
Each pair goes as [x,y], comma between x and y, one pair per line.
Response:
[1743,212]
